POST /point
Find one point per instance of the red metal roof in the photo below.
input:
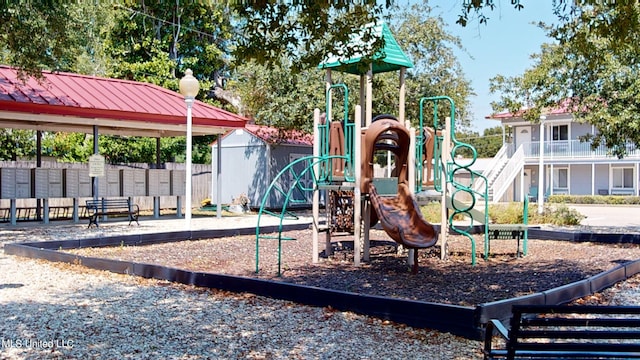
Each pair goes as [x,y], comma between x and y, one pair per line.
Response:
[273,135]
[563,108]
[131,104]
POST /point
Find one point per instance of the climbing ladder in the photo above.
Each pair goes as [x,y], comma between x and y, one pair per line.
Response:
[453,166]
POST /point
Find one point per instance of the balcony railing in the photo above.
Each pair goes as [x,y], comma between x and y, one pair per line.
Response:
[573,149]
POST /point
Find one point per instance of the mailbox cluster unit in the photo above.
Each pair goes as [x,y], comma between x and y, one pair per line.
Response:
[49,183]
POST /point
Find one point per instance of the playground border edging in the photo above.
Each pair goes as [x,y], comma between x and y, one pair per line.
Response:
[459,320]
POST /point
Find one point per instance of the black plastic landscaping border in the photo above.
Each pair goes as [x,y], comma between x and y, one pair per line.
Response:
[464,321]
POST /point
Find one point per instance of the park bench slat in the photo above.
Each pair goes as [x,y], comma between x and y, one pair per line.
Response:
[106,207]
[560,331]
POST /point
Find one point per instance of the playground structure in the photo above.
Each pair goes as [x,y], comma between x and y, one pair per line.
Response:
[425,159]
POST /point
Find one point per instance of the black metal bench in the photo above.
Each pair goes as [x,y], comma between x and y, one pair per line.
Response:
[561,331]
[508,232]
[106,207]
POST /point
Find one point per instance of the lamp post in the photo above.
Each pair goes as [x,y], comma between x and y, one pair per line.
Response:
[189,88]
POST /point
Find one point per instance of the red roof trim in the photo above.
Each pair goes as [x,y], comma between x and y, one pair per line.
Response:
[95,97]
[562,109]
[271,135]
[276,136]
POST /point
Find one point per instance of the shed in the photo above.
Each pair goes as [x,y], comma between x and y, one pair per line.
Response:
[252,157]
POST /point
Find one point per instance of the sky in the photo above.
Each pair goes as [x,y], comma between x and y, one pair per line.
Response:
[502,46]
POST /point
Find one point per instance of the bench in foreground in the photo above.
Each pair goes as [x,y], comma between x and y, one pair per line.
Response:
[561,331]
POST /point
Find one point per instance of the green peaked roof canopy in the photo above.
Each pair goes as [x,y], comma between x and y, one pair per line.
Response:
[389,58]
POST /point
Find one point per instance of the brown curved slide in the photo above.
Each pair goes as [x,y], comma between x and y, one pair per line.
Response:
[399,216]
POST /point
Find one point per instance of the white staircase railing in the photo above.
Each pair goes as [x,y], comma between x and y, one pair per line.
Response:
[498,162]
[505,179]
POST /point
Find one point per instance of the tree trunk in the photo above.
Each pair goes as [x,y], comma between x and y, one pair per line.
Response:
[227,96]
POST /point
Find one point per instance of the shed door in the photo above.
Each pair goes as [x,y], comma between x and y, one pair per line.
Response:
[303,191]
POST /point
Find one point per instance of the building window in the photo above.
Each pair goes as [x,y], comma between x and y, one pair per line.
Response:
[560,132]
[560,179]
[622,178]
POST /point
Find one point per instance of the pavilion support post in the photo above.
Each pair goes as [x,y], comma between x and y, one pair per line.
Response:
[13,211]
[96,151]
[156,199]
[219,178]
[38,164]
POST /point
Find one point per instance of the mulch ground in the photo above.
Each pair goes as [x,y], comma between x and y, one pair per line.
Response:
[452,281]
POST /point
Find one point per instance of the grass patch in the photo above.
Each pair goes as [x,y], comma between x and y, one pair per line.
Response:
[512,213]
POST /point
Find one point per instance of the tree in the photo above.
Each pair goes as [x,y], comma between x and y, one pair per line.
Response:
[436,69]
[487,145]
[304,32]
[156,42]
[16,143]
[589,73]
[279,96]
[45,35]
[67,147]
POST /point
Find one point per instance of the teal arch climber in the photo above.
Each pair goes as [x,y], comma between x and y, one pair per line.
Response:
[299,177]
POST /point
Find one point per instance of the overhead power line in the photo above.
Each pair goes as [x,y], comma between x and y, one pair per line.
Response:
[166,21]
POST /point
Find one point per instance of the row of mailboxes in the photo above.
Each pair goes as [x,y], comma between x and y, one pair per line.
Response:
[42,183]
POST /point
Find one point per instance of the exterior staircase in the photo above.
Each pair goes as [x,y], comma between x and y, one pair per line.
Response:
[506,165]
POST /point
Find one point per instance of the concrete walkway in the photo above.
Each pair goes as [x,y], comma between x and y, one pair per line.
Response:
[609,215]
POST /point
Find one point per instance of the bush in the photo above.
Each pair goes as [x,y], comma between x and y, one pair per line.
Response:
[561,215]
[506,213]
[594,199]
[511,213]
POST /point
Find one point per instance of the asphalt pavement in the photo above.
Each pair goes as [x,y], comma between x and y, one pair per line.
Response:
[609,215]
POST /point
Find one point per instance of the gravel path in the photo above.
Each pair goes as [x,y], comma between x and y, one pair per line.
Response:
[58,311]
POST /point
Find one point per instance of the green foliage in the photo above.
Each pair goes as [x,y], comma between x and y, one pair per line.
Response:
[559,214]
[44,35]
[431,212]
[594,199]
[67,147]
[487,145]
[305,32]
[150,41]
[512,213]
[38,35]
[592,71]
[17,143]
[276,97]
[436,70]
